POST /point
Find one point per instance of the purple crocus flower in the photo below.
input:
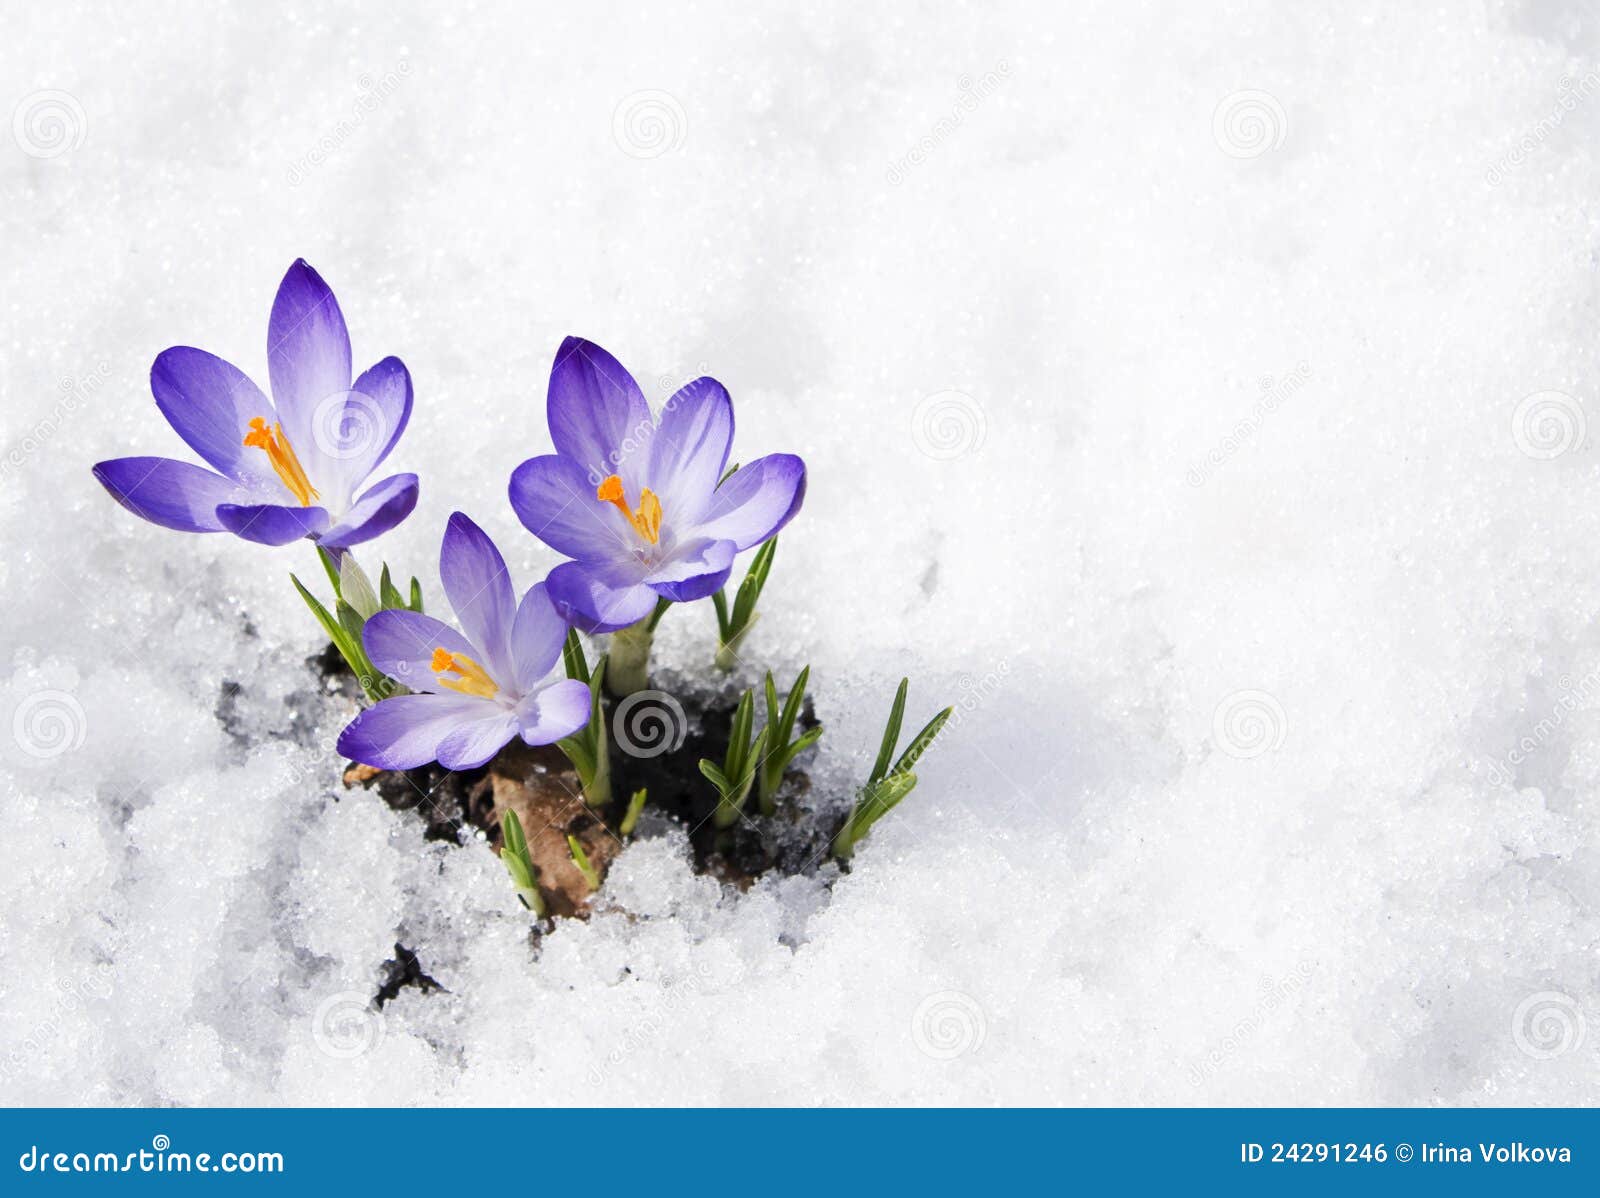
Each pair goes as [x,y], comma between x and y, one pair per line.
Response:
[635,502]
[283,470]
[474,692]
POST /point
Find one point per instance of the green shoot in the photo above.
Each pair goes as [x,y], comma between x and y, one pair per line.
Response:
[734,623]
[738,769]
[589,748]
[388,594]
[355,601]
[777,749]
[630,821]
[514,852]
[886,787]
[345,633]
[581,860]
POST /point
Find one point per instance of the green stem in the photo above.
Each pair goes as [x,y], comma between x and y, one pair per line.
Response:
[635,807]
[597,792]
[629,668]
[728,650]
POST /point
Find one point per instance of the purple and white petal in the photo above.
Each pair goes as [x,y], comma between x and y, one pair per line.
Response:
[554,711]
[478,586]
[599,597]
[757,501]
[272,523]
[210,404]
[471,745]
[555,501]
[401,643]
[308,357]
[537,635]
[353,433]
[375,513]
[405,732]
[689,451]
[598,416]
[177,495]
[696,569]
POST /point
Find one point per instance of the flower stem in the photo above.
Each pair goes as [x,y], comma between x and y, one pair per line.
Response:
[597,791]
[728,651]
[629,658]
[629,653]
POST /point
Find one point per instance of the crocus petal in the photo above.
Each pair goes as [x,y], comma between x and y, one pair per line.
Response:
[210,404]
[689,450]
[271,523]
[352,433]
[555,501]
[695,570]
[597,414]
[172,494]
[479,589]
[405,732]
[375,513]
[474,744]
[757,501]
[598,597]
[401,643]
[555,711]
[537,635]
[308,354]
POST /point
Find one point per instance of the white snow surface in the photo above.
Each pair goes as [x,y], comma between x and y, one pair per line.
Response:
[1181,438]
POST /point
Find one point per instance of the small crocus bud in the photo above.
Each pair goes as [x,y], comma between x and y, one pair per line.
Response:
[356,589]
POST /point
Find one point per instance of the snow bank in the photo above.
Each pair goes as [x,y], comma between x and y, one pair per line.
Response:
[1165,382]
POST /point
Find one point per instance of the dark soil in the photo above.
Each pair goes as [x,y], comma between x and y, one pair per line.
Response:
[403,969]
[540,785]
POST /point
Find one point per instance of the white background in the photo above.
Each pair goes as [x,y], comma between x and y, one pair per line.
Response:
[1122,393]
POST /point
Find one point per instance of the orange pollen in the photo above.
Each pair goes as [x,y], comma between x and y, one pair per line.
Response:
[281,454]
[647,520]
[470,678]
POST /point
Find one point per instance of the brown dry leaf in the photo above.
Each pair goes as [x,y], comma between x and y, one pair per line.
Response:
[539,785]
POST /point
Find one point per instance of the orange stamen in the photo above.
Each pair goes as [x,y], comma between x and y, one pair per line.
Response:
[281,454]
[647,520]
[471,678]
